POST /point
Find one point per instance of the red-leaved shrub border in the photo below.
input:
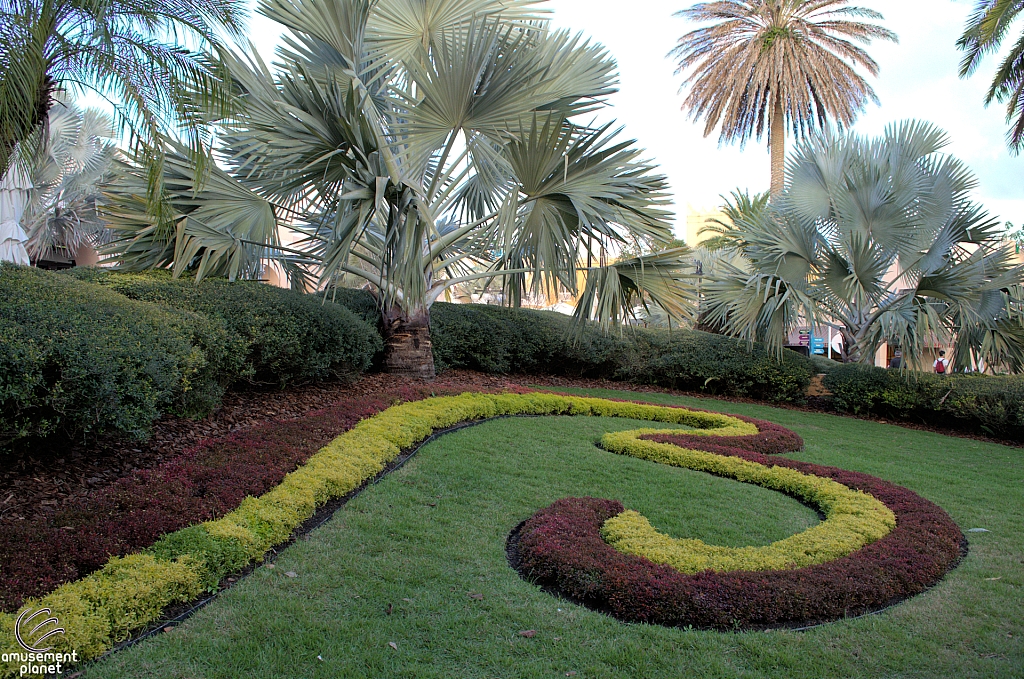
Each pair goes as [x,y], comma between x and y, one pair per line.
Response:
[770,439]
[561,547]
[204,482]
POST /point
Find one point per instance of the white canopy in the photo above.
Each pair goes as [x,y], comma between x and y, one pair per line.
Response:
[13,197]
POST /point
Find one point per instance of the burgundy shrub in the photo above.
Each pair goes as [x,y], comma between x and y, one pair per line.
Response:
[770,439]
[204,482]
[561,547]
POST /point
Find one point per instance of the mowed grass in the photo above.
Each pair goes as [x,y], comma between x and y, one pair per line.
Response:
[418,561]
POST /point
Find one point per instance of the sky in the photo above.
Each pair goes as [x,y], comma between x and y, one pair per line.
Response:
[918,80]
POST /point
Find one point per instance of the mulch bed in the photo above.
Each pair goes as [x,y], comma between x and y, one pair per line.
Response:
[125,496]
[561,548]
[65,508]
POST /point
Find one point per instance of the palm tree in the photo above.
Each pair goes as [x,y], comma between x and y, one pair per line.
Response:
[765,65]
[68,174]
[154,60]
[986,28]
[878,237]
[738,206]
[416,146]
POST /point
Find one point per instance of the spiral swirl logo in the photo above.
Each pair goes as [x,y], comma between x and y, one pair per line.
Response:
[31,640]
[33,629]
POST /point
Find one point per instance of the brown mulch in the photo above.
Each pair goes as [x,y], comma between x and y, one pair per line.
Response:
[42,478]
[36,480]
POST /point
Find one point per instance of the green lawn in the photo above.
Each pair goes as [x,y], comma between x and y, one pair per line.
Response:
[432,534]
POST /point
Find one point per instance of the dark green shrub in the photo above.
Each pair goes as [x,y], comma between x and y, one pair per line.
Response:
[76,358]
[700,361]
[865,389]
[995,404]
[822,364]
[500,340]
[857,388]
[985,403]
[279,336]
[360,302]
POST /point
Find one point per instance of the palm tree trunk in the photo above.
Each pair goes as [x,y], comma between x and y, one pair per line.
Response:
[778,148]
[407,347]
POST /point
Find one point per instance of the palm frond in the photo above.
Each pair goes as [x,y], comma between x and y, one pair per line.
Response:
[614,293]
[753,54]
[212,225]
[878,237]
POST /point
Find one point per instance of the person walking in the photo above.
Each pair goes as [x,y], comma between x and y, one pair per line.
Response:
[896,362]
[941,364]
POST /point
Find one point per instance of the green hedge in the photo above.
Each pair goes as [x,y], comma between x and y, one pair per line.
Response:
[76,358]
[278,336]
[508,341]
[90,351]
[700,361]
[500,340]
[986,403]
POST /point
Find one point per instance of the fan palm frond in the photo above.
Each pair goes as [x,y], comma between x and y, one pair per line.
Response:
[880,238]
[68,171]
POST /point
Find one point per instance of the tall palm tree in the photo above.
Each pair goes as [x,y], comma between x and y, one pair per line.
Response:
[986,28]
[879,237]
[154,60]
[765,65]
[416,145]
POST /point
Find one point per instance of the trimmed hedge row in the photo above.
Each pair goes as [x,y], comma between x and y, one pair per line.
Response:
[562,547]
[500,340]
[496,339]
[852,519]
[277,336]
[105,607]
[523,341]
[79,357]
[986,403]
[76,358]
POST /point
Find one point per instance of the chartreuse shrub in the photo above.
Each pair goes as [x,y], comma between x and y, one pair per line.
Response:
[76,358]
[852,518]
[130,592]
[279,336]
[105,607]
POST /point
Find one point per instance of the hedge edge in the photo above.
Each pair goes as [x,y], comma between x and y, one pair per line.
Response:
[130,592]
